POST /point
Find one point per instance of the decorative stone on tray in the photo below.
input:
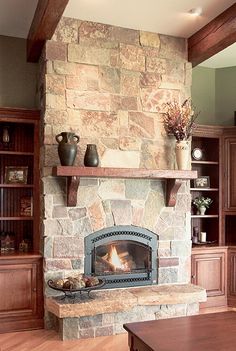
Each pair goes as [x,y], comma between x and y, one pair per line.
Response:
[76,284]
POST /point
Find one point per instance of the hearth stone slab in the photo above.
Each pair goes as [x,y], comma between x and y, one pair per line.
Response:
[110,309]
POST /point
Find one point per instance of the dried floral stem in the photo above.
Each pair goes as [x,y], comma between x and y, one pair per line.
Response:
[179,119]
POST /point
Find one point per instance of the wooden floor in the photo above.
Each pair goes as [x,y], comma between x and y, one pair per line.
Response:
[47,340]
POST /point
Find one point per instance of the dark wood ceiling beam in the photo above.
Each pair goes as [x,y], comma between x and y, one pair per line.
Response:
[214,37]
[47,15]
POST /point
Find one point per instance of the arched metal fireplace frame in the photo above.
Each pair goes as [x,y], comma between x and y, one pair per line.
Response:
[123,233]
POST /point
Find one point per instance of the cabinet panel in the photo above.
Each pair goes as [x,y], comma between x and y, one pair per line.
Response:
[230,175]
[232,277]
[209,271]
[21,293]
[22,298]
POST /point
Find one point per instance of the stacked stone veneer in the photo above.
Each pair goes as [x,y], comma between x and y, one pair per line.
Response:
[108,85]
[109,310]
[105,203]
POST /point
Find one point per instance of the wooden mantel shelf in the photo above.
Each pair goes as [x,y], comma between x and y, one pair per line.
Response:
[173,178]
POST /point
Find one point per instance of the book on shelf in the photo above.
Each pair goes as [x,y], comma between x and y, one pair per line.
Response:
[26,206]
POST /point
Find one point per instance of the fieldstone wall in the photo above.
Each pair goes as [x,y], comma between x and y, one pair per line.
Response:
[106,313]
[106,324]
[108,85]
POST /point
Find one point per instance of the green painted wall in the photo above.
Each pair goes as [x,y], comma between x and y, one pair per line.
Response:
[203,94]
[214,94]
[226,94]
[17,77]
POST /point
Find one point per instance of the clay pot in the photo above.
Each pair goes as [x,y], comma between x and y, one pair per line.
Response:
[67,147]
[91,158]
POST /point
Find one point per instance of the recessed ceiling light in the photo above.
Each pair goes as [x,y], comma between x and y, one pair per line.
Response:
[197,11]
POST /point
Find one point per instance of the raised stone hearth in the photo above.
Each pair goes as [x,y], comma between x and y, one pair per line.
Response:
[110,309]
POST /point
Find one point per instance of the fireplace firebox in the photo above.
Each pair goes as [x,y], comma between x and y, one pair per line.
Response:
[122,255]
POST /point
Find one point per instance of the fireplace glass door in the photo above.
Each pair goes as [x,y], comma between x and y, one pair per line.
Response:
[122,255]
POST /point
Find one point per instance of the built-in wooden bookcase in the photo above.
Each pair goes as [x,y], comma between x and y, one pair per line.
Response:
[208,139]
[19,180]
[211,268]
[20,259]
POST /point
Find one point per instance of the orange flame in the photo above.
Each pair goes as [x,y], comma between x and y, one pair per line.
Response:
[115,259]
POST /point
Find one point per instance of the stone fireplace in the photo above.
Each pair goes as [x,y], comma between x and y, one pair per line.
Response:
[122,255]
[108,85]
[137,205]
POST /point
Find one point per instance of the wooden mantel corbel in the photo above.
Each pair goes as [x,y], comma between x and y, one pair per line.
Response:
[72,189]
[172,188]
[173,178]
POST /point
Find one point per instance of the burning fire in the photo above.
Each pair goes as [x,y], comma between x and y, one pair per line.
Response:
[116,261]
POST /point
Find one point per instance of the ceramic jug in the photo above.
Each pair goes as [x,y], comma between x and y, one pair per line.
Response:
[67,147]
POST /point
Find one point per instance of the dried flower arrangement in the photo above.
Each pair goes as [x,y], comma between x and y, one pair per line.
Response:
[179,119]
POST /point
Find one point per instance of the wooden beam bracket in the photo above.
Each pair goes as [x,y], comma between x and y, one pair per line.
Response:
[72,189]
[214,37]
[46,18]
[172,188]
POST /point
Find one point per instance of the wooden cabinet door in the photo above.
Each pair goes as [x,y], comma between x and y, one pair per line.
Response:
[17,289]
[209,271]
[232,277]
[230,174]
[21,304]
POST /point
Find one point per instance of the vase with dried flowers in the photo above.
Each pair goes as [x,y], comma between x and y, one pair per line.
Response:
[179,121]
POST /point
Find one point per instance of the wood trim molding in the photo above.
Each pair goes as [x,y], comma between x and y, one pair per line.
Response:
[47,15]
[214,37]
[19,113]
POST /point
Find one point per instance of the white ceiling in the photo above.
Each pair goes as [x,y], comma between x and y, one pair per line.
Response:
[169,17]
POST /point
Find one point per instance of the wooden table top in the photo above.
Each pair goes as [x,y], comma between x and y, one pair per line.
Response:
[205,332]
